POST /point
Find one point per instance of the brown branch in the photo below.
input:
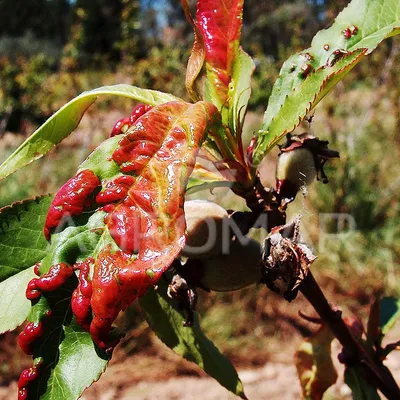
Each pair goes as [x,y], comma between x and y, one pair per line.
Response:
[375,372]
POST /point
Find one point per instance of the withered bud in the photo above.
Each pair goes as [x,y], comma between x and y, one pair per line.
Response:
[300,161]
[285,258]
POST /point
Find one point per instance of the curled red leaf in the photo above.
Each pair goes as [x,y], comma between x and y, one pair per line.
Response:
[161,150]
[27,376]
[117,282]
[70,200]
[120,127]
[115,190]
[31,333]
[56,277]
[220,23]
[80,301]
[138,111]
[124,124]
[32,291]
[144,214]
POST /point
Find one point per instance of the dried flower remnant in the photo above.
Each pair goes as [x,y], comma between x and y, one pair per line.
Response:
[286,259]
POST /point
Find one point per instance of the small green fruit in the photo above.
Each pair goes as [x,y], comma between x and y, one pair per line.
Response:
[205,226]
[233,271]
[301,160]
[297,167]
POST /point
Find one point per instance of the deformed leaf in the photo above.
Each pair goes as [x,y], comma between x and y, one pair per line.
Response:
[22,243]
[70,361]
[228,67]
[77,240]
[14,306]
[220,24]
[357,31]
[167,321]
[300,101]
[142,173]
[148,219]
[65,120]
[240,89]
[314,364]
[197,56]
[202,179]
[197,185]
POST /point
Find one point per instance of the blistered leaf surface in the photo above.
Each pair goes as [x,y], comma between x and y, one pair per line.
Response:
[229,68]
[125,228]
[220,23]
[197,56]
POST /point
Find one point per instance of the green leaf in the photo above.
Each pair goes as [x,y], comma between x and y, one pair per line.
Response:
[360,389]
[22,243]
[196,185]
[203,179]
[389,313]
[100,160]
[314,364]
[240,89]
[294,95]
[14,306]
[76,242]
[64,121]
[167,321]
[77,366]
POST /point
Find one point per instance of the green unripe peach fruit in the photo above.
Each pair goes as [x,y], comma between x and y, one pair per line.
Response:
[205,226]
[233,271]
[297,166]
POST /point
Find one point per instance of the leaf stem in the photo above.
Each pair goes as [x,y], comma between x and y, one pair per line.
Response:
[374,370]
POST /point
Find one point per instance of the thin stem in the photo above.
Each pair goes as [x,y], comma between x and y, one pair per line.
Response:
[374,370]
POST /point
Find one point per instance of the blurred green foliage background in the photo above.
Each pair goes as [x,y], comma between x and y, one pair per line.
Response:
[52,50]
